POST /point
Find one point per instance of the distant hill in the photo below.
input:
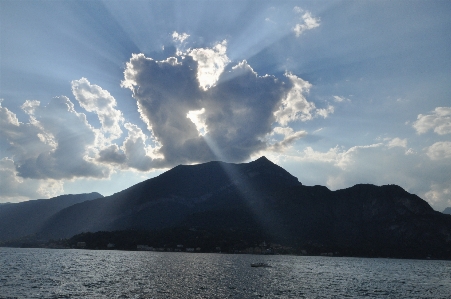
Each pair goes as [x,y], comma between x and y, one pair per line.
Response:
[447,211]
[260,200]
[26,218]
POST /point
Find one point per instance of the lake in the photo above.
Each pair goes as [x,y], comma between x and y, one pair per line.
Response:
[72,273]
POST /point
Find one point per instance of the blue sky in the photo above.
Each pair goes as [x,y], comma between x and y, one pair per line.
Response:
[97,96]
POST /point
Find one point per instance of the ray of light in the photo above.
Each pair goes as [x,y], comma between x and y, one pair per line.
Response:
[251,195]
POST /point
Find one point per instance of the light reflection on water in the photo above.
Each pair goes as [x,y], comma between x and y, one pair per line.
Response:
[52,273]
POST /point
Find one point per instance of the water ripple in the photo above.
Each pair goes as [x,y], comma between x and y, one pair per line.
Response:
[44,273]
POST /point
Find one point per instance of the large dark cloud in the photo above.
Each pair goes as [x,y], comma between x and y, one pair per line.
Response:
[166,91]
[238,111]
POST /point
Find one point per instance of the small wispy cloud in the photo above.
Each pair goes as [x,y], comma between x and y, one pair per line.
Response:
[308,22]
[179,37]
[339,99]
[297,9]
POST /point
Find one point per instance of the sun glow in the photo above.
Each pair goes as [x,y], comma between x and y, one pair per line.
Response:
[198,119]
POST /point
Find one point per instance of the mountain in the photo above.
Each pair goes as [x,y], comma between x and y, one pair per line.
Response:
[260,200]
[447,211]
[27,218]
[175,197]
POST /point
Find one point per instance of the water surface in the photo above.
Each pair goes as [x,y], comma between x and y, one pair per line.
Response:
[53,273]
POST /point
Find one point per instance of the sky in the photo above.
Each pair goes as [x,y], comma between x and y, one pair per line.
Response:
[100,95]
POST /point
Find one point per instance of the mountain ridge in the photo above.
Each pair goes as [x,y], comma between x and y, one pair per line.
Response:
[260,200]
[28,217]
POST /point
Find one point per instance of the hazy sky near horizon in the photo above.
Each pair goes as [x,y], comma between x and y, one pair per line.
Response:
[100,95]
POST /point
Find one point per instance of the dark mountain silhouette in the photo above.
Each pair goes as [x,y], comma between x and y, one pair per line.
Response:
[447,211]
[27,218]
[178,196]
[262,199]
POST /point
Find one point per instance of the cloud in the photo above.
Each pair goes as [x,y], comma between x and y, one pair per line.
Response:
[439,121]
[308,22]
[297,9]
[270,21]
[324,112]
[439,150]
[339,157]
[295,106]
[137,154]
[377,163]
[23,140]
[289,137]
[134,153]
[179,37]
[7,119]
[341,99]
[240,110]
[410,151]
[54,144]
[397,142]
[210,63]
[95,99]
[439,194]
[15,188]
[228,116]
[112,154]
[165,92]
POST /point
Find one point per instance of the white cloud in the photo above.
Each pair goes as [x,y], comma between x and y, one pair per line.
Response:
[439,194]
[179,37]
[289,137]
[324,112]
[295,106]
[270,21]
[308,22]
[410,151]
[377,164]
[7,118]
[297,9]
[210,63]
[339,99]
[397,142]
[439,150]
[134,152]
[285,131]
[331,156]
[337,157]
[95,99]
[439,121]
